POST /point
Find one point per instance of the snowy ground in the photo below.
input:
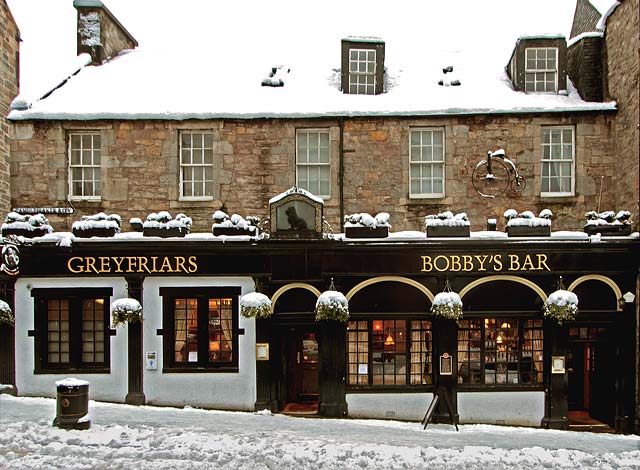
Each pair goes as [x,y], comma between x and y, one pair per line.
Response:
[145,437]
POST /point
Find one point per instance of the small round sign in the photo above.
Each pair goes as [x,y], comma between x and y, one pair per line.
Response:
[445,355]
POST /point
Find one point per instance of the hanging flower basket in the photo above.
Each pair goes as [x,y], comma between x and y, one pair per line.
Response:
[126,311]
[447,305]
[255,305]
[332,305]
[6,315]
[561,306]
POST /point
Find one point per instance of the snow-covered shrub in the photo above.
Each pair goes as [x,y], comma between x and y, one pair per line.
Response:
[222,220]
[255,305]
[98,221]
[366,220]
[126,311]
[608,217]
[163,220]
[36,222]
[447,305]
[528,218]
[332,305]
[447,219]
[219,217]
[6,315]
[561,306]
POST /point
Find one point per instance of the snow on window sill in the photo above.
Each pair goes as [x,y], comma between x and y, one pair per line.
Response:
[556,196]
[195,199]
[416,197]
[86,198]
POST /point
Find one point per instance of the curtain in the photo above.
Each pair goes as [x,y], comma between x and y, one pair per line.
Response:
[420,370]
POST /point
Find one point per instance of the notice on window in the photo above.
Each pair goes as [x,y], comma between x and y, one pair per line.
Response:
[193,356]
[363,369]
[446,364]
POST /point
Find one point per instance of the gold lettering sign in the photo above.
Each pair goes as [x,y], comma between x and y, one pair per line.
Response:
[132,264]
[481,263]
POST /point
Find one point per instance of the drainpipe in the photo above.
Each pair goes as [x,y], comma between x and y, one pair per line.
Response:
[341,171]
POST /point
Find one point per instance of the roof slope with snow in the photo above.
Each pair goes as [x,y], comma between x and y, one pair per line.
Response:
[203,59]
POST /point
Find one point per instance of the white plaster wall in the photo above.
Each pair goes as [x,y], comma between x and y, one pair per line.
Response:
[223,390]
[404,406]
[515,408]
[107,387]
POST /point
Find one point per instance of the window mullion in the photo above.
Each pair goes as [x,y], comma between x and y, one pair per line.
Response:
[203,331]
[75,332]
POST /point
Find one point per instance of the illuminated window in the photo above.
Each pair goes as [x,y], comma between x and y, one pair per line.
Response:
[201,328]
[500,351]
[389,352]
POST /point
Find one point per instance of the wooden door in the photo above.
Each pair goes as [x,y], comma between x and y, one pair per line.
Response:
[602,382]
[577,376]
[302,366]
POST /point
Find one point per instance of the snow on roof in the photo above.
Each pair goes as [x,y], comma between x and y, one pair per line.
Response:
[603,5]
[205,70]
[606,13]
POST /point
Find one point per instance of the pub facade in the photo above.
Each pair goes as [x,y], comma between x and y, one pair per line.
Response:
[503,361]
[406,138]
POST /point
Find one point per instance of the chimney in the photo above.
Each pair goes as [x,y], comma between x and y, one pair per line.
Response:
[100,34]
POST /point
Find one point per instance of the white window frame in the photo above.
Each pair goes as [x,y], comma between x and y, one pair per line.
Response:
[96,193]
[422,162]
[306,164]
[535,71]
[193,182]
[359,78]
[549,161]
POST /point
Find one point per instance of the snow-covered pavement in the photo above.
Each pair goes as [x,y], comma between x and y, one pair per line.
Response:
[146,437]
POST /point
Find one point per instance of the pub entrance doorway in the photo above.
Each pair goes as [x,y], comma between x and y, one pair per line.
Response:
[301,370]
[591,368]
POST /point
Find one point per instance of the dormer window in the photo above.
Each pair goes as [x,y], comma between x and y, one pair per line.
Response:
[541,69]
[538,64]
[362,71]
[362,66]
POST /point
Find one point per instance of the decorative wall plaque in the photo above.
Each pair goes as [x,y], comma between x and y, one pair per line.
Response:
[296,214]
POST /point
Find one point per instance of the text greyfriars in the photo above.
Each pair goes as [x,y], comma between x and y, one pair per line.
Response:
[132,264]
[495,263]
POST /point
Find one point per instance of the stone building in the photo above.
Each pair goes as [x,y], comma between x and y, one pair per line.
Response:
[9,84]
[397,128]
[369,166]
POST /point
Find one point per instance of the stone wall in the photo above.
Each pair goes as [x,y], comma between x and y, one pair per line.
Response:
[9,39]
[622,39]
[255,160]
[584,65]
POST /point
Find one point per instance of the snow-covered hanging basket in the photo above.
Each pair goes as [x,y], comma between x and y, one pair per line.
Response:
[255,305]
[6,315]
[561,306]
[126,311]
[332,305]
[447,304]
